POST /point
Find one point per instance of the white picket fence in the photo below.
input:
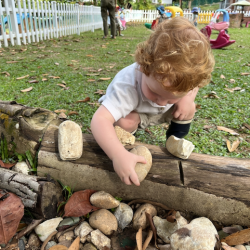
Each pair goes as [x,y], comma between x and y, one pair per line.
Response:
[36,21]
[31,21]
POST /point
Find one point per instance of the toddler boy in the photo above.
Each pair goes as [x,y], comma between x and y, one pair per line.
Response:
[160,87]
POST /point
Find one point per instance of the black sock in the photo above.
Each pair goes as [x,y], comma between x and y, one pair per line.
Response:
[179,130]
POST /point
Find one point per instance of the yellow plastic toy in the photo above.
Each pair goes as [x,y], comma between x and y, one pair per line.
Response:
[174,10]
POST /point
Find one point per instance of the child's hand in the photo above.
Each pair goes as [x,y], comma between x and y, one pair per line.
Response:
[184,110]
[124,166]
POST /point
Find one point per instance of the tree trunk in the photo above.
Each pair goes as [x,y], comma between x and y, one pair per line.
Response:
[210,186]
[35,192]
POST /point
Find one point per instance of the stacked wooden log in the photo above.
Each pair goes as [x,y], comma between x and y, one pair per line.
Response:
[210,186]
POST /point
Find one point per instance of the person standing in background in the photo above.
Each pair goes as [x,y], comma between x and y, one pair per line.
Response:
[195,12]
[108,5]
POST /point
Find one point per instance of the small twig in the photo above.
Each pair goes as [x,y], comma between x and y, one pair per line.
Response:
[150,202]
[47,240]
[29,228]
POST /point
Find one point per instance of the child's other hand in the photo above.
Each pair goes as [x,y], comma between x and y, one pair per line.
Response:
[124,166]
[184,110]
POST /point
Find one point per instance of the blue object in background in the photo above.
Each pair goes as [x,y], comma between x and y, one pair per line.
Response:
[17,17]
[225,14]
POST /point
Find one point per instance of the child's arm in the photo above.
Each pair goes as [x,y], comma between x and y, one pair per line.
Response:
[123,161]
[185,108]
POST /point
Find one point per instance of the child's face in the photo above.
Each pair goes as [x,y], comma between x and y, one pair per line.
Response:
[154,91]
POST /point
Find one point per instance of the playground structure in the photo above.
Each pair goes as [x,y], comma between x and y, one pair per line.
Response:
[221,41]
[165,13]
[221,25]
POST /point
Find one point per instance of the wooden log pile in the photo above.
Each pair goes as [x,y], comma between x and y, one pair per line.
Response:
[210,186]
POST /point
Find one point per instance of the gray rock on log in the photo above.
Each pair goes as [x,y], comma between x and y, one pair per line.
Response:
[70,142]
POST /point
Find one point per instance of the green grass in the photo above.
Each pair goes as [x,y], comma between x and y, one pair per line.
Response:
[230,110]
[208,7]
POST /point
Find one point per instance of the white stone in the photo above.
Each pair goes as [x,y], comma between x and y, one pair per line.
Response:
[99,239]
[105,200]
[124,215]
[44,229]
[70,141]
[124,137]
[164,228]
[179,147]
[199,234]
[83,230]
[21,167]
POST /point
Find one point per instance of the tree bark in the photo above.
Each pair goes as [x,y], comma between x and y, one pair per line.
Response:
[35,192]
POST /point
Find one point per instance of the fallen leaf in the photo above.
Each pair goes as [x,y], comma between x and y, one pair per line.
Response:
[6,73]
[226,247]
[12,62]
[73,113]
[148,131]
[222,77]
[207,126]
[94,104]
[245,74]
[33,81]
[45,74]
[70,65]
[57,64]
[139,239]
[230,90]
[44,79]
[152,226]
[58,247]
[232,132]
[12,211]
[232,81]
[57,77]
[79,204]
[91,80]
[61,85]
[171,216]
[92,74]
[87,99]
[6,165]
[238,238]
[234,145]
[27,90]
[22,77]
[60,110]
[62,115]
[99,70]
[89,55]
[74,60]
[100,92]
[148,239]
[75,245]
[246,125]
[105,79]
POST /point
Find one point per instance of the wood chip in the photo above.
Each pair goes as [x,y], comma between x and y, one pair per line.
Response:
[139,239]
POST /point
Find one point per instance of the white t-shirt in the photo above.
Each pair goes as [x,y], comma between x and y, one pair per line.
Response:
[124,95]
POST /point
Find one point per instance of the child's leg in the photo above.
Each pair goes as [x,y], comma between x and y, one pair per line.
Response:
[130,122]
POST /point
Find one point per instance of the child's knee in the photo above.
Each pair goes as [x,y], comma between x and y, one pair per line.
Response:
[130,122]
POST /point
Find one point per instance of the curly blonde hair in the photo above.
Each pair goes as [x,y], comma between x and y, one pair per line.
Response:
[178,53]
